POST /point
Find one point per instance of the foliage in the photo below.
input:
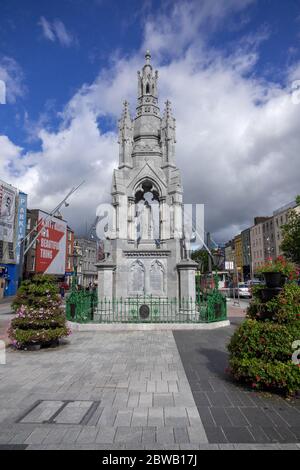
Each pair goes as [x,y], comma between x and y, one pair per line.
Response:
[291,236]
[39,318]
[261,355]
[36,292]
[202,258]
[280,265]
[261,351]
[285,308]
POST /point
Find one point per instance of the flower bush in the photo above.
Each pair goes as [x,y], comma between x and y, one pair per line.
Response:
[280,265]
[261,351]
[284,308]
[40,318]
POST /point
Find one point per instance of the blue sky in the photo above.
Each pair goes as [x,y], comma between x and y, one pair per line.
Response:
[63,59]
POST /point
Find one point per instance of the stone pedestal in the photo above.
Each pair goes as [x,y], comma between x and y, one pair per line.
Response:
[105,280]
[187,284]
[105,288]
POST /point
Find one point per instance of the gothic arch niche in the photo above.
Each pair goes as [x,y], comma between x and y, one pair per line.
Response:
[137,278]
[147,211]
[157,278]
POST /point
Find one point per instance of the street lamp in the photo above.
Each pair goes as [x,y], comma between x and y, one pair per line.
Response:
[217,257]
[75,257]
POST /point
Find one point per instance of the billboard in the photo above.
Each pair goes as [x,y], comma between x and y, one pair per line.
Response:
[21,227]
[51,245]
[8,196]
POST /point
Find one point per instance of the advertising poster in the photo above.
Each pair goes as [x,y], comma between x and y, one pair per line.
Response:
[51,245]
[7,211]
[21,227]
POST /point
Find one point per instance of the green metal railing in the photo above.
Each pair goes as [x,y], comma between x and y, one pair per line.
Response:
[83,307]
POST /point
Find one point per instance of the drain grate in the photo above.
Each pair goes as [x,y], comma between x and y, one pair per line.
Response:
[61,412]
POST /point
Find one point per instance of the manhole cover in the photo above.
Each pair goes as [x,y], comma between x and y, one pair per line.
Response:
[144,312]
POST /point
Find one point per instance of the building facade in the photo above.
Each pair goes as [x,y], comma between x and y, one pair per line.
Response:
[145,253]
[269,239]
[69,270]
[246,254]
[257,243]
[13,204]
[238,256]
[87,259]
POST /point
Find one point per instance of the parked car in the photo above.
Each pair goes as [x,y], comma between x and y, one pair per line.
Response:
[242,291]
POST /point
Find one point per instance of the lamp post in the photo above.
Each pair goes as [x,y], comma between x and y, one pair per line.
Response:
[217,260]
[75,257]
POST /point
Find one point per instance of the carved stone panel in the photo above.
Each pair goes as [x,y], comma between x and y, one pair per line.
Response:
[137,278]
[157,278]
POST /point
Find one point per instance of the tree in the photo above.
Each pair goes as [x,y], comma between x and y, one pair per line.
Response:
[291,236]
[201,257]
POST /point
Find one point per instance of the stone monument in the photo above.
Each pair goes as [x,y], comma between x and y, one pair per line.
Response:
[145,253]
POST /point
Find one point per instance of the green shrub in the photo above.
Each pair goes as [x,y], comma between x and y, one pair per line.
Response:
[267,341]
[284,377]
[40,318]
[261,351]
[285,308]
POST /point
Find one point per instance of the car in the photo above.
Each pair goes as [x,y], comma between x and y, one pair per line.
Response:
[243,290]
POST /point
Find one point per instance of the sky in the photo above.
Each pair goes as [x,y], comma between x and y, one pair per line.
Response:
[230,68]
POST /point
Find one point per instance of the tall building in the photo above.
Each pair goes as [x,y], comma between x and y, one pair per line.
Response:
[69,270]
[257,243]
[13,205]
[229,253]
[87,258]
[238,256]
[146,253]
[269,239]
[246,253]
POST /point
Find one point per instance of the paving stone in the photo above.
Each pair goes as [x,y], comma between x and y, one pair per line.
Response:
[165,435]
[156,417]
[133,400]
[106,435]
[220,417]
[146,399]
[128,435]
[238,434]
[123,417]
[176,416]
[71,435]
[38,435]
[197,434]
[181,435]
[139,417]
[149,435]
[163,399]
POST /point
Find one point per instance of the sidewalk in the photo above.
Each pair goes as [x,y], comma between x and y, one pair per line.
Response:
[137,390]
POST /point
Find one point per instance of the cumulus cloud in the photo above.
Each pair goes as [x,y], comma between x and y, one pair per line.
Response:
[12,75]
[238,136]
[56,31]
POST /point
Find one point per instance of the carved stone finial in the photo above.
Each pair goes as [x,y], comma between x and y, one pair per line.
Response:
[148,56]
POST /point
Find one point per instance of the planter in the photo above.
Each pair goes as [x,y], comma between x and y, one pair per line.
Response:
[274,279]
[269,293]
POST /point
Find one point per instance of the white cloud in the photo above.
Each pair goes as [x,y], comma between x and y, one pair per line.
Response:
[56,31]
[237,136]
[12,75]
